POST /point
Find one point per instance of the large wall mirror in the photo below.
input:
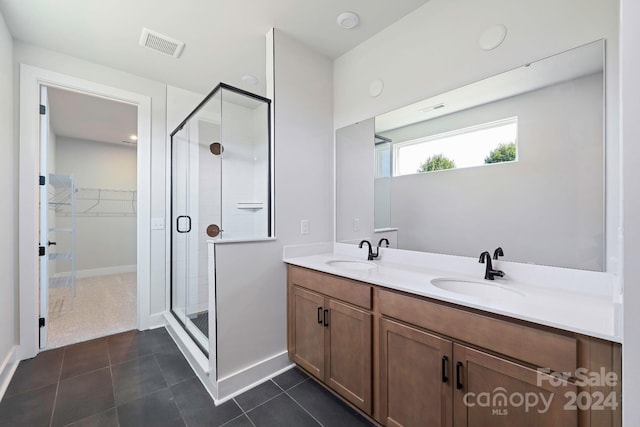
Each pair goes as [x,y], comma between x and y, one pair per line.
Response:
[515,160]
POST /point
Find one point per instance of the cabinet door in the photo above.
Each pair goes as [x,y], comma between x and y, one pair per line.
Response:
[415,377]
[491,391]
[306,334]
[348,359]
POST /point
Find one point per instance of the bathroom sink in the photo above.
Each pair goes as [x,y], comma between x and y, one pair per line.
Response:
[481,289]
[347,264]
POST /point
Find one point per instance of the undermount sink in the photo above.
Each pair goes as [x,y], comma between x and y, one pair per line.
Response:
[473,288]
[347,264]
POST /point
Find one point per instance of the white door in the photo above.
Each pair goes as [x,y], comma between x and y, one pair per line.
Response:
[44,208]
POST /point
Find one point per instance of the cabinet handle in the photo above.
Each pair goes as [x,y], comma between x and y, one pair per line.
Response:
[458,374]
[320,315]
[445,378]
[326,320]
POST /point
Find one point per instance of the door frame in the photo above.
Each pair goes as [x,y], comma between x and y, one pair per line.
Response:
[30,80]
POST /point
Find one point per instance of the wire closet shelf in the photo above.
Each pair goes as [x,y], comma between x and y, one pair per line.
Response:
[100,202]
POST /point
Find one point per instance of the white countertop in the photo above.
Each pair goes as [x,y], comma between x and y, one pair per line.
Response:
[587,313]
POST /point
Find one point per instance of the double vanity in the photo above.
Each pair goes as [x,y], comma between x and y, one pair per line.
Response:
[425,335]
[409,342]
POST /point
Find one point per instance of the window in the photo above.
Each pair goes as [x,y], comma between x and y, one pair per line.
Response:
[383,159]
[494,142]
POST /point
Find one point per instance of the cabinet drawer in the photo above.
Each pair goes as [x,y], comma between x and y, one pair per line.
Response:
[535,346]
[346,290]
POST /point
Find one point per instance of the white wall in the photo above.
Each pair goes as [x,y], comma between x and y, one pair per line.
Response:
[435,49]
[102,242]
[630,132]
[43,58]
[251,277]
[8,215]
[354,178]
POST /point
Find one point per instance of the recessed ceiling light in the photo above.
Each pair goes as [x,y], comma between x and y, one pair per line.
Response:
[133,137]
[249,79]
[348,20]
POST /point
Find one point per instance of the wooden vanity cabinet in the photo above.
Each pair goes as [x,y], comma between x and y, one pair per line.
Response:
[329,334]
[426,380]
[306,334]
[493,391]
[411,361]
[415,377]
[490,372]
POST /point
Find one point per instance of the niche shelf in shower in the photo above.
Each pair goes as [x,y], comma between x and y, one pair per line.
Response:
[250,205]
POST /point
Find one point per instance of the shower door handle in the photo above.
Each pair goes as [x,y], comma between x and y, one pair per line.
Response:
[188,229]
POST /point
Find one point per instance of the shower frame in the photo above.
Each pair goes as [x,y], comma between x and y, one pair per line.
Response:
[214,92]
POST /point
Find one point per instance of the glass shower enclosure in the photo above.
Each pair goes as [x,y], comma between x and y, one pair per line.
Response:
[220,191]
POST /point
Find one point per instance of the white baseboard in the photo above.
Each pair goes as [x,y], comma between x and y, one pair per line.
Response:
[241,381]
[157,320]
[104,271]
[7,369]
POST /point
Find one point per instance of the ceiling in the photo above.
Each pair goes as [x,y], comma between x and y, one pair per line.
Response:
[90,118]
[224,39]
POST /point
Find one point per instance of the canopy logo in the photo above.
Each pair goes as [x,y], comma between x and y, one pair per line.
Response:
[500,401]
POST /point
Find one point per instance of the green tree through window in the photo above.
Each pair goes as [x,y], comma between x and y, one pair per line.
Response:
[435,163]
[503,153]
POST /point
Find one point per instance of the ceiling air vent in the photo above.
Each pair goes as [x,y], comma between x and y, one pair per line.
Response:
[161,43]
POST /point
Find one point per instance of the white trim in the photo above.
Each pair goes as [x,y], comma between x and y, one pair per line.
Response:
[231,385]
[7,369]
[196,359]
[270,83]
[167,209]
[257,383]
[105,271]
[238,382]
[156,320]
[242,240]
[30,80]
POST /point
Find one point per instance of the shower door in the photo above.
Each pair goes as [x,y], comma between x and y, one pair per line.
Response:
[195,211]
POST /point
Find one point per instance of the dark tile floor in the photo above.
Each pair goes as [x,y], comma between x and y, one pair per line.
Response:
[141,379]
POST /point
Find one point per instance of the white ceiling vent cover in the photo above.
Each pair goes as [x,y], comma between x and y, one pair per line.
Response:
[161,43]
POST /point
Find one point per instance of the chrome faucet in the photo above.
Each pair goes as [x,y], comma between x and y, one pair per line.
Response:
[490,273]
[372,255]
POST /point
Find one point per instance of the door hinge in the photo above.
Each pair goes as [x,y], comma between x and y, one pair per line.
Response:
[43,109]
[41,251]
[41,322]
[42,180]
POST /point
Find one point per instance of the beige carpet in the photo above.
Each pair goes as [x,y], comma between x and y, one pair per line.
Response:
[103,305]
